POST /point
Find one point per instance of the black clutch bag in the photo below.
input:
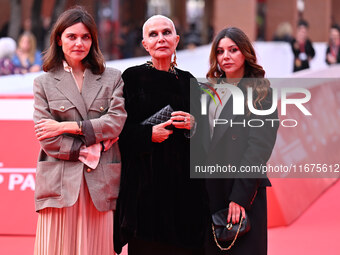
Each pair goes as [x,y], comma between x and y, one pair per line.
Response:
[225,232]
[159,117]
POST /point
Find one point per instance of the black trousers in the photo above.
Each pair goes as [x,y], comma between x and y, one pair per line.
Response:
[143,247]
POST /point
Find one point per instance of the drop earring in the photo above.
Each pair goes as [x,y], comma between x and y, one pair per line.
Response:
[173,63]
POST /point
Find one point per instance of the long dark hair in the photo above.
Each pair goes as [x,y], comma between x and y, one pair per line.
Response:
[54,55]
[251,68]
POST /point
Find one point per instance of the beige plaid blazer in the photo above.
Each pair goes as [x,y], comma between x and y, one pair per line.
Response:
[58,179]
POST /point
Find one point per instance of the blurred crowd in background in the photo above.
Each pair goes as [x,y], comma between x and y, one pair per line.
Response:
[120,35]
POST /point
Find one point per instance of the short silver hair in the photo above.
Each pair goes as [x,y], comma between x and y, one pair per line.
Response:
[7,47]
[157,17]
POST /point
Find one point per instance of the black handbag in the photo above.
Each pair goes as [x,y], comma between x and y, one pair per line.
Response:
[225,232]
[159,117]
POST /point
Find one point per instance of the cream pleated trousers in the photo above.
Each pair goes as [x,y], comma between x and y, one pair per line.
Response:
[77,230]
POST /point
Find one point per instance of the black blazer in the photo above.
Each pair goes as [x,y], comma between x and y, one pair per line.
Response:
[308,49]
[242,146]
[337,57]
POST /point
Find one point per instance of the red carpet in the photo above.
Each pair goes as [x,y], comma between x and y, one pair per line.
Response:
[22,245]
[16,245]
[315,232]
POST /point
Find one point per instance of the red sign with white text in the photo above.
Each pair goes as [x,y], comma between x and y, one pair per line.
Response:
[18,155]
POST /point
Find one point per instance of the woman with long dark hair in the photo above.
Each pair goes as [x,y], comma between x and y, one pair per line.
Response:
[233,61]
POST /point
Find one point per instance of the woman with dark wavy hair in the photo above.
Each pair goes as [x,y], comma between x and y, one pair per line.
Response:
[233,61]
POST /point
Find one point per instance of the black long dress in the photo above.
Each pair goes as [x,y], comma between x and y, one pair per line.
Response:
[159,205]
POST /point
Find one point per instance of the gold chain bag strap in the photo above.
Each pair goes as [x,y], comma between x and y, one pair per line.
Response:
[226,232]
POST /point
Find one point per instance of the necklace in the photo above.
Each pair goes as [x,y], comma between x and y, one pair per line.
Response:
[171,68]
[224,94]
[232,83]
